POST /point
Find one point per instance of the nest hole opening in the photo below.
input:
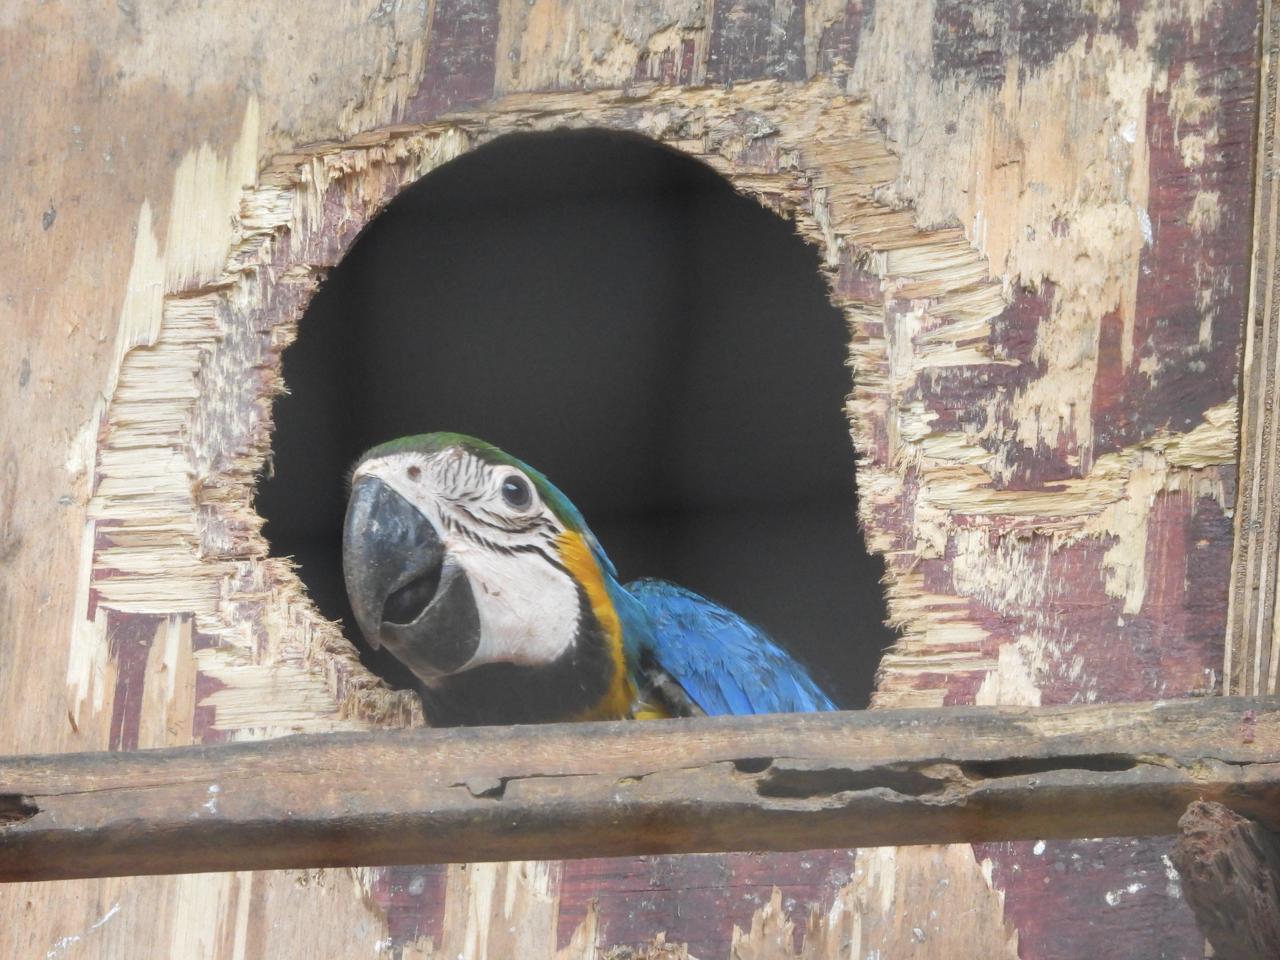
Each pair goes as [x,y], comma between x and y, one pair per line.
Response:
[614,313]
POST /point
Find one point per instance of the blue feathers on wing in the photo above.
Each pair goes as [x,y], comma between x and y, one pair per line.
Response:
[725,664]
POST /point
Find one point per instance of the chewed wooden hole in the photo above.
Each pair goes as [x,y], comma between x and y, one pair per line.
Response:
[615,314]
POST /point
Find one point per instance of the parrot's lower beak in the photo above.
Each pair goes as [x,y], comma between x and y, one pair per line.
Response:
[405,593]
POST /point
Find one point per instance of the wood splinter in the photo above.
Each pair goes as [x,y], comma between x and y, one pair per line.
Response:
[1230,867]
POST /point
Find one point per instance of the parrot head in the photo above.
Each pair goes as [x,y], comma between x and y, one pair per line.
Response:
[457,557]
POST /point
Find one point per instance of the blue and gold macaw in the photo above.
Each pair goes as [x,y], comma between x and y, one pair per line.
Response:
[478,574]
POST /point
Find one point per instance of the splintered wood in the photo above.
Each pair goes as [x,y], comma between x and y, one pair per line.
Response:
[1230,869]
[789,782]
[1035,217]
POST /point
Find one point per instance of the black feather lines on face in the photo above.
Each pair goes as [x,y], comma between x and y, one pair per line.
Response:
[545,548]
[505,522]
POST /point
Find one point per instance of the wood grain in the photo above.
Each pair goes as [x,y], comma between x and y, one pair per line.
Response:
[1253,645]
[1230,869]
[1041,241]
[586,790]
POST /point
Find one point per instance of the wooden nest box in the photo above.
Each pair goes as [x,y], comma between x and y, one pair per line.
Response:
[1059,216]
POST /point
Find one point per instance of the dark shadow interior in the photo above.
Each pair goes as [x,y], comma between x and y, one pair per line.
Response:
[613,313]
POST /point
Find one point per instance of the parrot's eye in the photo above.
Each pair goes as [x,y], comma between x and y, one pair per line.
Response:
[414,472]
[516,492]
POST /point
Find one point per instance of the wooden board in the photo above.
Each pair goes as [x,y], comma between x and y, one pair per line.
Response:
[1253,641]
[1036,217]
[780,783]
[1230,869]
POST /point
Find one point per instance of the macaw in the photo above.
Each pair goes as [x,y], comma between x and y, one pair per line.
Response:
[479,575]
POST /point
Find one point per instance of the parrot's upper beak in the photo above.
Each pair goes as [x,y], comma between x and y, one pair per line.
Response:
[405,593]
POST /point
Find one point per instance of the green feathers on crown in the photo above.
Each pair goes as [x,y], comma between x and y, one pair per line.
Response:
[430,443]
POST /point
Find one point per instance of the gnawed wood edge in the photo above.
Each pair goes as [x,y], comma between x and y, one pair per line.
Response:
[808,151]
[195,396]
[894,906]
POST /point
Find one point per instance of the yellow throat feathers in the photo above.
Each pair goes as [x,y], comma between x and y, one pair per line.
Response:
[576,555]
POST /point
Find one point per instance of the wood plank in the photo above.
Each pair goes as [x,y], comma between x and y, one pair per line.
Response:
[1048,130]
[786,782]
[1230,870]
[1253,645]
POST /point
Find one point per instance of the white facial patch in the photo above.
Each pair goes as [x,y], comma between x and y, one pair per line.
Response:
[528,608]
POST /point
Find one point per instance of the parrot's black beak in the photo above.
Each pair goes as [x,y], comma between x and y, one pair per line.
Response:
[405,594]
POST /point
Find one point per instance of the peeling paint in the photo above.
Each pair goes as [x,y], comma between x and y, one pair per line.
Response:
[931,240]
